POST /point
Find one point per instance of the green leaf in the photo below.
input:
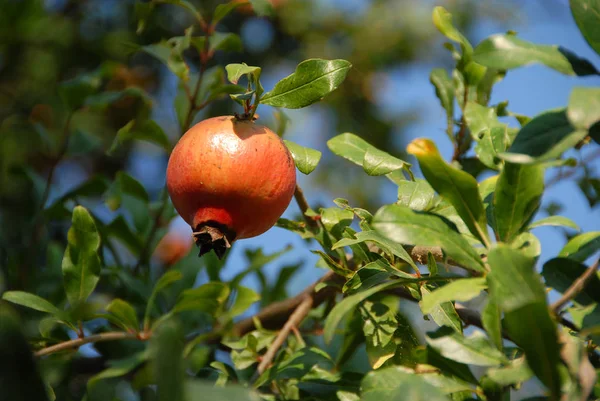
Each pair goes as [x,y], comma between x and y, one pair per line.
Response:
[379,323]
[185,5]
[201,391]
[558,221]
[492,136]
[74,92]
[341,309]
[513,281]
[117,368]
[456,186]
[584,107]
[560,273]
[312,80]
[587,17]
[352,147]
[443,313]
[396,383]
[207,298]
[263,8]
[442,20]
[222,10]
[444,90]
[229,42]
[167,279]
[124,314]
[516,372]
[306,159]
[417,195]
[21,379]
[168,342]
[125,184]
[244,298]
[505,52]
[101,101]
[492,322]
[520,294]
[170,53]
[400,224]
[475,349]
[516,199]
[81,263]
[458,290]
[296,365]
[30,301]
[378,162]
[236,71]
[146,130]
[544,138]
[391,247]
[582,246]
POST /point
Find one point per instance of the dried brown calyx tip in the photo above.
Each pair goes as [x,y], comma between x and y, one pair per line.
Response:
[212,235]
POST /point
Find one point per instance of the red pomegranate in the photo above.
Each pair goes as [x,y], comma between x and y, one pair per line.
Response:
[230,179]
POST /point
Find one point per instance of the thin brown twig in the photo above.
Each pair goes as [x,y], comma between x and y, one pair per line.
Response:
[575,288]
[95,338]
[303,205]
[295,319]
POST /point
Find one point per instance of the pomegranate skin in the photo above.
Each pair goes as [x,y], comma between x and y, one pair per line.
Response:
[232,175]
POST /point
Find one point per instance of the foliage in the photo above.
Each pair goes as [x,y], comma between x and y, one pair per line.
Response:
[105,310]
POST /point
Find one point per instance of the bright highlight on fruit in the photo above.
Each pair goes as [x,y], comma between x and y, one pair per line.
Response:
[230,179]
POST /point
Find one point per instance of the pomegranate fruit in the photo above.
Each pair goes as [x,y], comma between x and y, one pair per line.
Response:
[230,179]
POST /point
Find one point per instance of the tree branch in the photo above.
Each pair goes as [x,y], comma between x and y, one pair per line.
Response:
[95,338]
[295,319]
[575,288]
[303,205]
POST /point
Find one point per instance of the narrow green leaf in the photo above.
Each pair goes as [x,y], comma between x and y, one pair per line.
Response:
[167,279]
[244,298]
[227,41]
[199,391]
[516,372]
[587,17]
[74,92]
[347,305]
[517,198]
[456,186]
[442,20]
[544,138]
[444,90]
[513,281]
[398,383]
[312,80]
[475,349]
[117,369]
[520,294]
[125,314]
[21,379]
[443,313]
[186,5]
[207,298]
[404,226]
[582,246]
[491,136]
[81,263]
[505,52]
[558,221]
[492,322]
[560,273]
[352,147]
[417,195]
[378,162]
[306,159]
[388,246]
[146,130]
[222,10]
[125,184]
[458,290]
[30,301]
[584,107]
[168,342]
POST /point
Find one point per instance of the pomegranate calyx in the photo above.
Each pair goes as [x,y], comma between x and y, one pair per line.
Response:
[212,235]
